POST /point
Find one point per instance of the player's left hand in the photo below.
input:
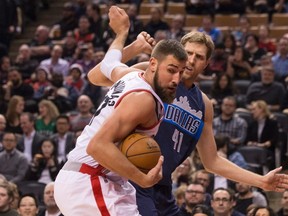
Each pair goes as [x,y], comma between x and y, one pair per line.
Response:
[275,181]
[118,20]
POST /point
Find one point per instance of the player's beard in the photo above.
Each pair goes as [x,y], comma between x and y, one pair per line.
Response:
[165,96]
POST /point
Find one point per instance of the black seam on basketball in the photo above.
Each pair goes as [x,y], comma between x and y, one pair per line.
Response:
[143,154]
[133,144]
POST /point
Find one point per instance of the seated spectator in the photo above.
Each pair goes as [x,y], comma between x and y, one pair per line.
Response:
[68,22]
[201,210]
[84,107]
[13,163]
[56,64]
[263,130]
[28,203]
[252,47]
[229,124]
[69,46]
[46,121]
[245,196]
[16,86]
[283,211]
[179,195]
[222,203]
[156,23]
[269,90]
[83,33]
[25,64]
[265,61]
[242,29]
[209,28]
[229,42]
[182,174]
[2,129]
[16,195]
[15,109]
[223,86]
[51,207]
[260,210]
[280,60]
[6,200]
[177,25]
[194,195]
[76,77]
[238,66]
[41,44]
[29,142]
[41,79]
[265,41]
[5,65]
[85,58]
[44,167]
[63,137]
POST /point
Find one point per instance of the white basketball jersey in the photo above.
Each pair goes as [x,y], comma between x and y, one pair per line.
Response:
[131,82]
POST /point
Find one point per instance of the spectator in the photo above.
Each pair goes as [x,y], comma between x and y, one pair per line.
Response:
[269,90]
[280,60]
[13,163]
[203,177]
[85,58]
[41,44]
[155,23]
[179,195]
[245,196]
[41,79]
[263,130]
[252,47]
[265,41]
[230,7]
[51,207]
[83,34]
[209,28]
[222,203]
[201,210]
[28,203]
[25,64]
[227,123]
[16,195]
[238,66]
[182,174]
[229,42]
[45,166]
[195,194]
[177,25]
[68,21]
[244,25]
[265,61]
[16,86]
[46,121]
[29,142]
[15,108]
[76,77]
[2,129]
[69,46]
[260,210]
[6,200]
[283,211]
[84,107]
[63,137]
[223,86]
[56,64]
[5,65]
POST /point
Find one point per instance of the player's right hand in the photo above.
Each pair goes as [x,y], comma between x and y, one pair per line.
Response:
[146,41]
[154,175]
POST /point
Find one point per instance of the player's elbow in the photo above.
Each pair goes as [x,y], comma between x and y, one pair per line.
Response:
[91,148]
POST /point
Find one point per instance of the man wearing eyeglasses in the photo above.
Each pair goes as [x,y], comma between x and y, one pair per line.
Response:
[222,203]
[195,194]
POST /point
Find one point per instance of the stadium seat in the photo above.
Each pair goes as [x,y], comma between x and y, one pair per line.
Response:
[230,20]
[258,19]
[194,20]
[146,7]
[280,19]
[278,31]
[144,18]
[175,8]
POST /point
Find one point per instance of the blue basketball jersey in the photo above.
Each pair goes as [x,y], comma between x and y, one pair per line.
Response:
[181,129]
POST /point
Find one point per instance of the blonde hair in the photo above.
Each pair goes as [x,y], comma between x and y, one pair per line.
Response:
[53,111]
[201,38]
[263,106]
[12,106]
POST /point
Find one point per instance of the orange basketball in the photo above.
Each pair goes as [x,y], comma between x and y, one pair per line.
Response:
[141,150]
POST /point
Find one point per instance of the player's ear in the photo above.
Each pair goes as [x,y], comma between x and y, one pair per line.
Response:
[153,64]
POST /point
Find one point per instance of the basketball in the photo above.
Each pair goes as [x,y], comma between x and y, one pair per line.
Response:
[141,150]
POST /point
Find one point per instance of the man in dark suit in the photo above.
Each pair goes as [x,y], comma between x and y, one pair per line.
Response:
[30,142]
[64,138]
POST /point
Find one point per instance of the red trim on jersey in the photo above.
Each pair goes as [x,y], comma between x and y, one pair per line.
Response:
[97,191]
